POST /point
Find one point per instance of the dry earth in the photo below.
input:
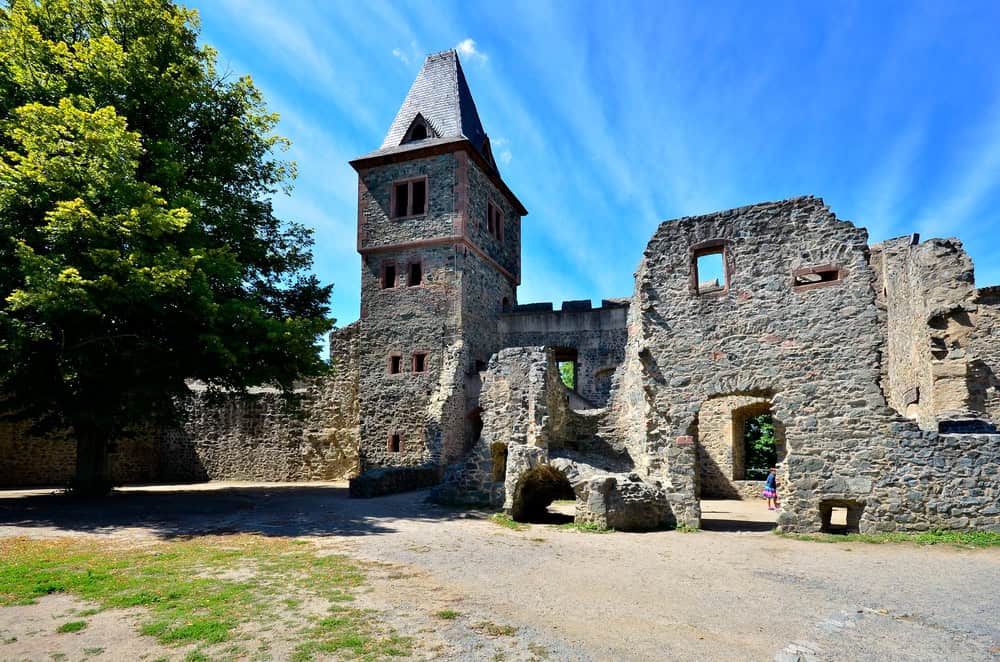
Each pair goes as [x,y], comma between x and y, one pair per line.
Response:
[736,592]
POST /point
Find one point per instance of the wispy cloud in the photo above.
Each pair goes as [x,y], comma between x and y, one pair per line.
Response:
[467,48]
[501,149]
[399,54]
[976,180]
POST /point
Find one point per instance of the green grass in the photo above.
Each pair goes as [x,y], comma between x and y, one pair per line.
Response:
[935,537]
[506,522]
[72,626]
[588,527]
[201,590]
[684,528]
[448,614]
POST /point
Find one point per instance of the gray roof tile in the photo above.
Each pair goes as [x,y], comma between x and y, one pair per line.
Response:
[441,95]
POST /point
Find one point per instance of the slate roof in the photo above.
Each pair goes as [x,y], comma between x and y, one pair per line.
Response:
[441,95]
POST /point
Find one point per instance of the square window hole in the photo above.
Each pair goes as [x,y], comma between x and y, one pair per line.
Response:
[395,365]
[416,274]
[419,362]
[710,272]
[389,276]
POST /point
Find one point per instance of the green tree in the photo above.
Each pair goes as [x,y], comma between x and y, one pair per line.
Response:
[138,248]
[568,374]
[759,444]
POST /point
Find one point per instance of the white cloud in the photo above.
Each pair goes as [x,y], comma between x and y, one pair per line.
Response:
[401,55]
[506,156]
[467,47]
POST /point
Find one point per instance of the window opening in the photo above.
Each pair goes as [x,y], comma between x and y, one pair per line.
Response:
[409,198]
[818,276]
[416,274]
[389,276]
[420,362]
[419,132]
[418,197]
[494,221]
[395,364]
[566,361]
[395,443]
[710,271]
[505,305]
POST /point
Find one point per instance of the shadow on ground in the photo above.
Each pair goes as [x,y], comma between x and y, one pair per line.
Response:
[285,510]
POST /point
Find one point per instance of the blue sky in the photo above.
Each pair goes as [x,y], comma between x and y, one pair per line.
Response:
[607,118]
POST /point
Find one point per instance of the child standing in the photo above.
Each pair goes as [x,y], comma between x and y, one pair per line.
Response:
[771,489]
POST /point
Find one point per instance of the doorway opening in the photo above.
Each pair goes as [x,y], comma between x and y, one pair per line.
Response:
[536,492]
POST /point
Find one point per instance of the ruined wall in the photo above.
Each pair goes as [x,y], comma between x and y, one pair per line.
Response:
[598,335]
[256,438]
[813,351]
[984,354]
[28,460]
[263,437]
[928,292]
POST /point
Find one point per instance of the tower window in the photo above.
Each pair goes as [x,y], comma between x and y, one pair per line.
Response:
[494,221]
[395,363]
[416,275]
[419,361]
[395,442]
[388,276]
[409,198]
[419,132]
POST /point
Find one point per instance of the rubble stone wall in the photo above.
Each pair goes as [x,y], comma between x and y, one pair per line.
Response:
[598,336]
[984,352]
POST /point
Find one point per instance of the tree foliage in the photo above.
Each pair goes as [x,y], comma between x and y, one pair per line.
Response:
[759,446]
[567,374]
[138,248]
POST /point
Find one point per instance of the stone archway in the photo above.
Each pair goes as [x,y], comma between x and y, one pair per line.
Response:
[536,489]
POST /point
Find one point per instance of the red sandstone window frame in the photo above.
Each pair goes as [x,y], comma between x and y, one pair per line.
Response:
[425,355]
[494,220]
[841,273]
[388,443]
[395,279]
[415,262]
[711,247]
[398,356]
[410,212]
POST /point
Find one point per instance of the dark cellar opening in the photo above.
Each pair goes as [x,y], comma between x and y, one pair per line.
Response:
[536,491]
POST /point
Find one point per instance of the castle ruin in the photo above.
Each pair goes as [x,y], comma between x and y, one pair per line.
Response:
[876,363]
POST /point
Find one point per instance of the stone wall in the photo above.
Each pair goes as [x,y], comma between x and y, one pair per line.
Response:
[928,292]
[259,437]
[721,454]
[264,437]
[598,336]
[984,353]
[812,351]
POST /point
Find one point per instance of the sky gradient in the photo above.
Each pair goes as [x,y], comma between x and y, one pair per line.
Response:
[608,118]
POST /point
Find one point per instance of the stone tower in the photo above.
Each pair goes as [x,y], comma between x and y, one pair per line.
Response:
[440,243]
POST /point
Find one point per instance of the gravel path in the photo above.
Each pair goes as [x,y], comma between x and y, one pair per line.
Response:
[572,595]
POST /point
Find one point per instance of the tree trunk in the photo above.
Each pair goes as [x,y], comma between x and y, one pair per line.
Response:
[93,471]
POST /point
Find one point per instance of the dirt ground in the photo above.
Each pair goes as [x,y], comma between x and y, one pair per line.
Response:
[733,591]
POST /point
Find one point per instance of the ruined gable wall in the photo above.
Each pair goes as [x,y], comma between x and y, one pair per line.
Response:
[598,335]
[814,353]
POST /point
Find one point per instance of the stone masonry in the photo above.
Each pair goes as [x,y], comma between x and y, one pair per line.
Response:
[878,363]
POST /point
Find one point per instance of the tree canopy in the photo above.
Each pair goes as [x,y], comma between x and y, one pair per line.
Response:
[138,245]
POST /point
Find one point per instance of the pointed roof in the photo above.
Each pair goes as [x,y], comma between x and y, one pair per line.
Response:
[440,94]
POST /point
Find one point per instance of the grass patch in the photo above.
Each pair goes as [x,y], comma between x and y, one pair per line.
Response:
[588,527]
[200,590]
[448,614]
[506,522]
[72,626]
[684,528]
[935,537]
[495,630]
